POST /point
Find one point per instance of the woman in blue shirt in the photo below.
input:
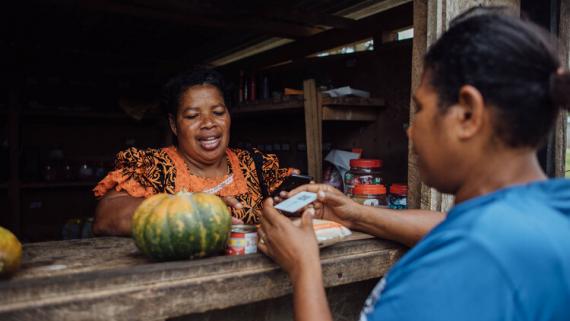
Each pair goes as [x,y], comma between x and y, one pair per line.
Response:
[491,91]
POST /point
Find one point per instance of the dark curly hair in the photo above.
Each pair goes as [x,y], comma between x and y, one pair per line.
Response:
[175,87]
[512,62]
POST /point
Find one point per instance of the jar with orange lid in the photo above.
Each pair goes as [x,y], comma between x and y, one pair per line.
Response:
[370,195]
[362,171]
[398,198]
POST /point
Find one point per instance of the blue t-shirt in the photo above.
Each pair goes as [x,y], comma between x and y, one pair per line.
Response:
[502,256]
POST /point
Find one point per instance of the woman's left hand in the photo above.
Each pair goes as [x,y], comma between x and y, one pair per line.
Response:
[236,221]
[292,247]
[232,202]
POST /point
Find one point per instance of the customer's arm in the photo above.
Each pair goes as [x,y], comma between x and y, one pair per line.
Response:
[403,226]
[114,214]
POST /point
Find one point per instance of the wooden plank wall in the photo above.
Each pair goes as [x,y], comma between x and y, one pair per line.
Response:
[560,142]
[431,19]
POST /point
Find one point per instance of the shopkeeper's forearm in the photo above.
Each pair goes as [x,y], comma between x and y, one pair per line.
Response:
[114,213]
[309,298]
[403,226]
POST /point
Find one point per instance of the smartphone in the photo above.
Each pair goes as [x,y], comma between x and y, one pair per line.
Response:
[292,205]
[291,182]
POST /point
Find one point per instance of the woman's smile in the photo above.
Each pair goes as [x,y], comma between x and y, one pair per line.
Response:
[209,143]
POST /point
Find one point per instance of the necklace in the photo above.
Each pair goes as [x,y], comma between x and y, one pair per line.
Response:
[219,187]
[213,190]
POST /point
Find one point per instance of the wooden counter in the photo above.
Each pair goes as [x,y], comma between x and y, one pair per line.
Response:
[109,279]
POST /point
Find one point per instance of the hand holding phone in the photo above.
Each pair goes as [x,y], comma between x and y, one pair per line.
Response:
[297,202]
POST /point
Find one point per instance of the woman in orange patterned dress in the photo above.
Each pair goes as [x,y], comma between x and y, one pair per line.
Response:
[200,160]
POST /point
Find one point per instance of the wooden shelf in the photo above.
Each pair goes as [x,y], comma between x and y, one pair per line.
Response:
[269,106]
[353,102]
[351,108]
[85,115]
[339,109]
[51,185]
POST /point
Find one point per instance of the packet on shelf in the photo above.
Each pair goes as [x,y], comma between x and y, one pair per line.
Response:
[327,232]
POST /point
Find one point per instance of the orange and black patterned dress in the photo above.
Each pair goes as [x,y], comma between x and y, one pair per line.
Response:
[143,173]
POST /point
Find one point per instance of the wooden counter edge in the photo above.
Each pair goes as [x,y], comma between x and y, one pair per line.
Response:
[165,290]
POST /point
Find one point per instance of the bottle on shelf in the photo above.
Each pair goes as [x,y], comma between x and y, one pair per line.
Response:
[241,90]
[252,88]
[265,95]
[245,88]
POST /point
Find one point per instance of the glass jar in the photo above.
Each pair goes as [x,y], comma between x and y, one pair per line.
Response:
[370,195]
[85,172]
[398,198]
[362,171]
[49,173]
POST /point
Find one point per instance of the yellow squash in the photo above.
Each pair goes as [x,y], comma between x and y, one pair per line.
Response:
[10,252]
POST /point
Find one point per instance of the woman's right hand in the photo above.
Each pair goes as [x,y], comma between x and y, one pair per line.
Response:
[331,204]
[232,202]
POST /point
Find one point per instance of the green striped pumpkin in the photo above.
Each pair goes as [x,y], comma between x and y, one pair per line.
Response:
[181,226]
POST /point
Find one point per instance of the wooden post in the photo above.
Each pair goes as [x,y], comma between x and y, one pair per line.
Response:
[431,19]
[418,51]
[14,221]
[560,129]
[313,129]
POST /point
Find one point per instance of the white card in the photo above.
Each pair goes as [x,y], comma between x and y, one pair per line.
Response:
[297,202]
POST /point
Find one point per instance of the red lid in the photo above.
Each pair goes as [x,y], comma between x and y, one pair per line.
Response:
[366,163]
[369,189]
[399,189]
[357,150]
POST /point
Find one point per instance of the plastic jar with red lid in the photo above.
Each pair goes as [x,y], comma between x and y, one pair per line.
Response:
[362,171]
[398,198]
[370,195]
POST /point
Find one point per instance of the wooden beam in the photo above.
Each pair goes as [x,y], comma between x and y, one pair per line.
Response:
[393,19]
[307,17]
[193,16]
[371,7]
[190,18]
[254,9]
[313,129]
[248,51]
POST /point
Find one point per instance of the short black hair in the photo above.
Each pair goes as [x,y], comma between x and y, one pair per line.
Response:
[173,90]
[512,62]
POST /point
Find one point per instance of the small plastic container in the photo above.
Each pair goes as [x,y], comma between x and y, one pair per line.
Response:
[370,195]
[398,198]
[362,171]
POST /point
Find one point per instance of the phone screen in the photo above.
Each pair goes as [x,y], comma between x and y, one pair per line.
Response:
[291,182]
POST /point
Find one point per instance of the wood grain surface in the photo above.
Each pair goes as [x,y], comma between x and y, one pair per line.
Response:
[109,279]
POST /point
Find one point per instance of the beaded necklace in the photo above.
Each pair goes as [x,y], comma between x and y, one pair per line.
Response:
[213,190]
